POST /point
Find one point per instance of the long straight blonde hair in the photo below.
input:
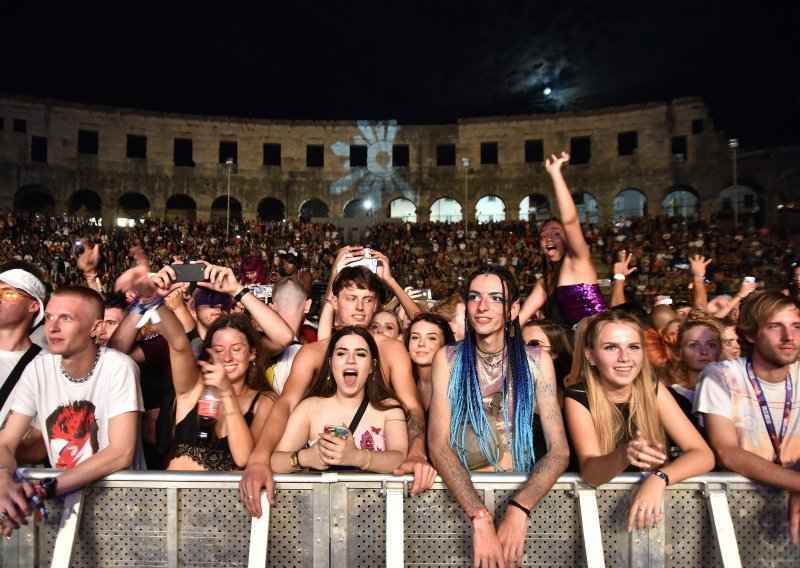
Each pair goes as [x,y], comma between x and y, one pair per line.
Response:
[611,428]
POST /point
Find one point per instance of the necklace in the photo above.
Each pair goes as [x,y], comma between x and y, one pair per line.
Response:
[491,359]
[87,376]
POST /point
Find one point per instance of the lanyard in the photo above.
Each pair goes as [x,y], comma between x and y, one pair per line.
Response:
[765,413]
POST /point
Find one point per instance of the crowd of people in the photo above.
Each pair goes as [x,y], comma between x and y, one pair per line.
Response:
[167,346]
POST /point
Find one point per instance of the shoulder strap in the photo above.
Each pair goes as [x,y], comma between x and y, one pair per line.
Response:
[359,413]
[16,372]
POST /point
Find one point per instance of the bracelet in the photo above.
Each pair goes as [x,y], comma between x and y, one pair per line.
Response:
[662,475]
[241,294]
[480,514]
[369,460]
[515,503]
[703,276]
[619,276]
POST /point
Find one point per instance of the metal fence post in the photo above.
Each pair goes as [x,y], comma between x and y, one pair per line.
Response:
[259,536]
[395,552]
[68,530]
[723,527]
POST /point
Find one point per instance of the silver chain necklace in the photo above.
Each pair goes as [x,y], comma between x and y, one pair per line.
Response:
[87,376]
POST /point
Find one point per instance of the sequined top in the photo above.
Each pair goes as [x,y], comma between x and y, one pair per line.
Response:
[578,301]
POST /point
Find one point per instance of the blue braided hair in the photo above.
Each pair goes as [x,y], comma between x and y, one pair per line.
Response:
[464,393]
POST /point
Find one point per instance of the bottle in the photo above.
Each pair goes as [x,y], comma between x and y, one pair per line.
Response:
[207,408]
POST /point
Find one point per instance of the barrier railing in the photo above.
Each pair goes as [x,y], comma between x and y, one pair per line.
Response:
[173,519]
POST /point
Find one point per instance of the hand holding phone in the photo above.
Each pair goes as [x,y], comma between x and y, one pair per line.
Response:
[189,272]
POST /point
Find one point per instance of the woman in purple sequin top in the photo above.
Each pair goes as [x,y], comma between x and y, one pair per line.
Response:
[568,290]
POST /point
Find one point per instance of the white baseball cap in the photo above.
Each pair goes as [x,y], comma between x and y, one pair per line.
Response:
[26,282]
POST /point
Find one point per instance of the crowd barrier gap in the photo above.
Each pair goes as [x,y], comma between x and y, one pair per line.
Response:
[172,519]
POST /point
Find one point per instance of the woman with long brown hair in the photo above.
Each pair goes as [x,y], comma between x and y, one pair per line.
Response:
[619,419]
[349,418]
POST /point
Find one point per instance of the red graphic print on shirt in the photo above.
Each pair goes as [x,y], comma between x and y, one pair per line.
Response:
[72,431]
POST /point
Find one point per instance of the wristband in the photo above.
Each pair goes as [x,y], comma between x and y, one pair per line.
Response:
[515,503]
[662,475]
[481,514]
[703,276]
[241,294]
[619,276]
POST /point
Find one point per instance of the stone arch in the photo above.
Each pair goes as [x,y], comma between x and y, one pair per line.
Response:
[681,201]
[131,207]
[181,206]
[534,207]
[271,209]
[34,198]
[789,192]
[359,207]
[447,209]
[314,208]
[219,208]
[489,209]
[402,208]
[85,203]
[741,203]
[630,202]
[588,207]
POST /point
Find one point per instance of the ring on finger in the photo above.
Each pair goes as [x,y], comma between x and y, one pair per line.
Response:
[636,444]
[3,515]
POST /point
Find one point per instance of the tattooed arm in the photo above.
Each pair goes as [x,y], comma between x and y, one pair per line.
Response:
[486,546]
[514,524]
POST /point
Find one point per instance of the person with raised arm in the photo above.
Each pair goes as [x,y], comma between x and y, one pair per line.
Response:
[486,389]
[568,290]
[355,296]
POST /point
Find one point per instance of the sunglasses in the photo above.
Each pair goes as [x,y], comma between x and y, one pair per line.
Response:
[537,344]
[9,295]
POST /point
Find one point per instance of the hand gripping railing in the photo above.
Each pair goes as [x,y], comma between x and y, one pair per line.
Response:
[332,513]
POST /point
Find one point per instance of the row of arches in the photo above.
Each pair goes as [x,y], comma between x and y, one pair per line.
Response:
[630,202]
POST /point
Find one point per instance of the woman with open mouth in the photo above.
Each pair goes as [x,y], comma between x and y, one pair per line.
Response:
[568,290]
[350,418]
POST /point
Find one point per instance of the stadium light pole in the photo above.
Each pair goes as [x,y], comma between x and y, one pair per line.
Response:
[465,163]
[733,144]
[229,165]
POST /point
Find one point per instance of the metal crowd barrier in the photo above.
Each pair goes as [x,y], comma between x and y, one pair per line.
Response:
[171,519]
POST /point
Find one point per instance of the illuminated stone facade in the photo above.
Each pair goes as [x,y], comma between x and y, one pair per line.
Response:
[71,157]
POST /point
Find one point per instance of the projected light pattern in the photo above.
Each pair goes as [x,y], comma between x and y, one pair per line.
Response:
[379,177]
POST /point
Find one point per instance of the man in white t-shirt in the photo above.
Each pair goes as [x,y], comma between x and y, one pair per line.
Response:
[751,405]
[85,400]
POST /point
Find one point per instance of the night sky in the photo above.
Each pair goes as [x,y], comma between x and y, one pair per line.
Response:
[418,62]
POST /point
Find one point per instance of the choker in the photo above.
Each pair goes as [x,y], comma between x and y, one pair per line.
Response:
[87,376]
[491,359]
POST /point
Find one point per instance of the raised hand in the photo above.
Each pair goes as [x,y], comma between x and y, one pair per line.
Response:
[698,264]
[553,163]
[622,266]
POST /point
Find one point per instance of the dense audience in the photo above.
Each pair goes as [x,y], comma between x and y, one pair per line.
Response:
[105,345]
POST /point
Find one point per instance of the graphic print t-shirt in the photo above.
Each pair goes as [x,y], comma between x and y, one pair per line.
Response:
[73,417]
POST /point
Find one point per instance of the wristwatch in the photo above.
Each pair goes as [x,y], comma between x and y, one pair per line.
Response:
[294,461]
[49,485]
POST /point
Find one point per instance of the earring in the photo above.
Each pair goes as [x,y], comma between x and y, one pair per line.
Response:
[329,376]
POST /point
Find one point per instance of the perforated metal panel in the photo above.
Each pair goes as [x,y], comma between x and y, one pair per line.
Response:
[612,506]
[47,533]
[759,518]
[437,532]
[366,524]
[213,528]
[689,533]
[291,535]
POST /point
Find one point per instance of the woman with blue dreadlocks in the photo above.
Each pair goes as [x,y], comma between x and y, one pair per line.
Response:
[486,389]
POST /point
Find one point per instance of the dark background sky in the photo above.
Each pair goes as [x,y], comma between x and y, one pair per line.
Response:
[418,62]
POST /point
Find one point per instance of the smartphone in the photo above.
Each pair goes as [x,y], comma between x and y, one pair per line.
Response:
[368,261]
[263,292]
[338,431]
[426,293]
[750,279]
[189,272]
[78,248]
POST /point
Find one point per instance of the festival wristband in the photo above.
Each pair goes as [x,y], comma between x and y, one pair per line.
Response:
[241,294]
[480,514]
[619,276]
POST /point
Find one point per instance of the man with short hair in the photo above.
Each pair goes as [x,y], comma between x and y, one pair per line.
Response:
[482,415]
[751,405]
[86,402]
[113,314]
[289,299]
[356,295]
